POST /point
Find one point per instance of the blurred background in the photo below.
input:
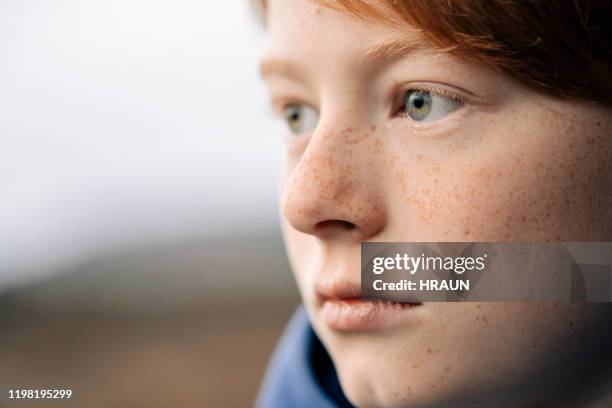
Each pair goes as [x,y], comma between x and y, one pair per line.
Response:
[141,263]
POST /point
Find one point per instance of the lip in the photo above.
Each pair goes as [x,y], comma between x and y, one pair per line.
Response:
[341,308]
[354,314]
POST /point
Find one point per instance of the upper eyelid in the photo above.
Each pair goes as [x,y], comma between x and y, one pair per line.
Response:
[279,104]
[445,93]
[437,90]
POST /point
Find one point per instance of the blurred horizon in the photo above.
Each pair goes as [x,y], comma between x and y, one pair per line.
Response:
[140,247]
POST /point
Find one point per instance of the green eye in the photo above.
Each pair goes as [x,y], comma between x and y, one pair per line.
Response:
[422,106]
[301,118]
[418,104]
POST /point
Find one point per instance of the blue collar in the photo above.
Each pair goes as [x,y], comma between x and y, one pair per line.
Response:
[301,373]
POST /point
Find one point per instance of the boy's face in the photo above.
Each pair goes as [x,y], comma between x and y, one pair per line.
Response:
[394,141]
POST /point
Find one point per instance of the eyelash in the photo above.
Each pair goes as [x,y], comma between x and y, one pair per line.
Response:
[279,105]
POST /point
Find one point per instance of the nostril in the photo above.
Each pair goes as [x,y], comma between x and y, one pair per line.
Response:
[334,224]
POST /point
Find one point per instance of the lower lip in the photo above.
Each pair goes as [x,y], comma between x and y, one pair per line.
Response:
[357,314]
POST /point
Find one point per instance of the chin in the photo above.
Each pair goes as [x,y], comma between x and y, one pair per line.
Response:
[372,385]
[371,377]
[377,382]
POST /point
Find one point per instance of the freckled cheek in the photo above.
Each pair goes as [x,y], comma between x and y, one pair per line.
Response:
[300,250]
[451,203]
[481,201]
[503,200]
[545,191]
[540,187]
[297,243]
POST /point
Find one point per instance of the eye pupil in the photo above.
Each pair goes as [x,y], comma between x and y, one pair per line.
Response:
[418,101]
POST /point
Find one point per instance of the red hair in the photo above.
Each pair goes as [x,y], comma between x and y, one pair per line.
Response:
[559,47]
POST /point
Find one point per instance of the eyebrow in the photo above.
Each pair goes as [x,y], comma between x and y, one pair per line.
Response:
[393,48]
[279,66]
[386,50]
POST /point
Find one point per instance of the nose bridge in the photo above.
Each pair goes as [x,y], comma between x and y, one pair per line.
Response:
[332,185]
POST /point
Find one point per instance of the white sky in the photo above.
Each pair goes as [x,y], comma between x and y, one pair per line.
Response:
[129,121]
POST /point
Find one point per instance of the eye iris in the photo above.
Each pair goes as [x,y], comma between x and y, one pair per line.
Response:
[418,105]
[293,117]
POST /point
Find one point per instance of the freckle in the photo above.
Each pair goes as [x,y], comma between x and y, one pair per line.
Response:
[318,11]
[447,369]
[415,366]
[373,128]
[428,351]
[571,324]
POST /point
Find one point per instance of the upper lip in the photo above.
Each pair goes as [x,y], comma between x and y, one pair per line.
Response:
[337,290]
[341,290]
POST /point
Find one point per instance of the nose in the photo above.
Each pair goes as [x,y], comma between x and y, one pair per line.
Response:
[334,191]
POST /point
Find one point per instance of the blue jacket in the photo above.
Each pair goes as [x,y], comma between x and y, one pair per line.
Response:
[300,374]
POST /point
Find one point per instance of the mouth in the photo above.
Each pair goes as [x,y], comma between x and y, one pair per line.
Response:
[341,308]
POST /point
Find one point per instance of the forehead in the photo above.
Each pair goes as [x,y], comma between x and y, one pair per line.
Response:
[299,28]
